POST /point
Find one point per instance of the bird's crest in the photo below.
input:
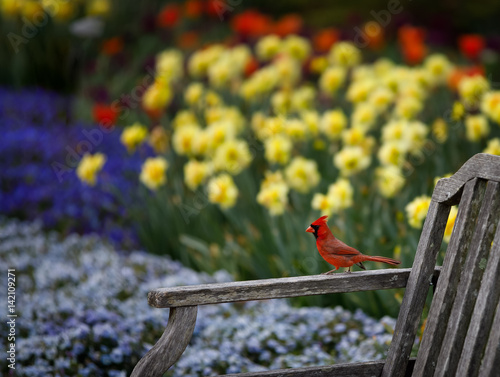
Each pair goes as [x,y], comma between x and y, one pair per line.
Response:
[321,220]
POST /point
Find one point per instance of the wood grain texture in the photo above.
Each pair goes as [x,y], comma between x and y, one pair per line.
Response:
[446,289]
[279,288]
[491,360]
[481,165]
[366,369]
[170,346]
[469,284]
[482,317]
[416,290]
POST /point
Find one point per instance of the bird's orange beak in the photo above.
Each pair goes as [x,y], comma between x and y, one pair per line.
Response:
[310,229]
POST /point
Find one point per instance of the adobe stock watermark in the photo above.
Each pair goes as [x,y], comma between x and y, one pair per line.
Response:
[381,19]
[31,28]
[93,137]
[222,7]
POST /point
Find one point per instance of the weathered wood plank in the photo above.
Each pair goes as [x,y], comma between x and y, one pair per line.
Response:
[279,288]
[416,290]
[481,165]
[491,359]
[366,369]
[468,287]
[446,289]
[170,346]
[482,317]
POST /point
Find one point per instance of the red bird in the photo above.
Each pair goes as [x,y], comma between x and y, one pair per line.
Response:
[338,253]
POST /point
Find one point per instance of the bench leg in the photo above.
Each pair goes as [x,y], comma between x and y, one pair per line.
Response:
[171,345]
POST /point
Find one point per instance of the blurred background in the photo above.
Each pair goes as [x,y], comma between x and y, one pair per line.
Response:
[213,132]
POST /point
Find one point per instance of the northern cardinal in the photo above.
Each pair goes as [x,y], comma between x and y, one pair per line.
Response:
[338,253]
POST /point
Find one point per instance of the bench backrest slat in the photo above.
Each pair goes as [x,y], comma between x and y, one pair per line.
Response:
[469,284]
[491,359]
[482,317]
[439,313]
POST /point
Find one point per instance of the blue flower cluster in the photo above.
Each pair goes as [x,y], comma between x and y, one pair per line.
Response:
[83,312]
[39,152]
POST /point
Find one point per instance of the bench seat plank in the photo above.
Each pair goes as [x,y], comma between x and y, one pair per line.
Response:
[279,288]
[366,369]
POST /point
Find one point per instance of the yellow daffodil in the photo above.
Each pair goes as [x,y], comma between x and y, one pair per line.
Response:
[153,172]
[345,54]
[273,193]
[133,136]
[222,191]
[416,211]
[476,127]
[268,47]
[278,149]
[450,224]
[89,166]
[302,174]
[493,146]
[196,172]
[390,180]
[332,124]
[232,156]
[351,160]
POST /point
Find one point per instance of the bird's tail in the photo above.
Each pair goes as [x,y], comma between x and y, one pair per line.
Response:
[394,262]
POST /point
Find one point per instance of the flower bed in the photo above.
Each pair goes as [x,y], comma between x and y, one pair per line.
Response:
[83,312]
[41,147]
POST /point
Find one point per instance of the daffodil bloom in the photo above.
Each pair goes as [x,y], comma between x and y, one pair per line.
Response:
[332,79]
[158,139]
[196,172]
[351,160]
[364,115]
[332,124]
[359,90]
[133,136]
[381,98]
[296,129]
[169,65]
[440,130]
[416,211]
[278,149]
[297,47]
[439,68]
[476,127]
[273,193]
[194,93]
[408,107]
[345,54]
[450,223]
[341,193]
[157,96]
[323,203]
[302,174]
[390,180]
[153,172]
[184,117]
[183,139]
[311,120]
[471,89]
[493,147]
[393,153]
[232,156]
[222,191]
[490,105]
[268,47]
[89,166]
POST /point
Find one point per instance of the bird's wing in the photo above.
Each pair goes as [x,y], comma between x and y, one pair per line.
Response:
[337,247]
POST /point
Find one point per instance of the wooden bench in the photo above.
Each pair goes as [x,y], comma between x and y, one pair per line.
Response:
[462,333]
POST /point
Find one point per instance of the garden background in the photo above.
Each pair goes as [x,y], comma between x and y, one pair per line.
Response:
[150,144]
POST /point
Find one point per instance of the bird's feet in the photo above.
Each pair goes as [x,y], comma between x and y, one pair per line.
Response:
[329,272]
